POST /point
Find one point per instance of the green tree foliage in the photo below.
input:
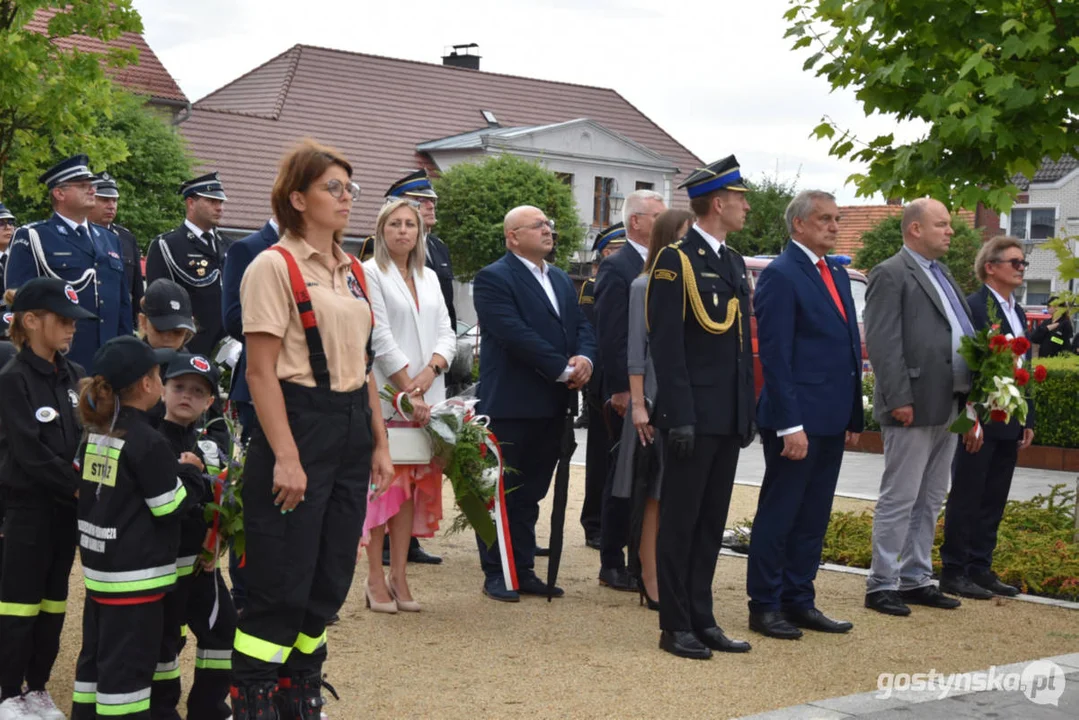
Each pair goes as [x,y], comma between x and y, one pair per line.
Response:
[51,94]
[474,198]
[886,239]
[765,232]
[997,81]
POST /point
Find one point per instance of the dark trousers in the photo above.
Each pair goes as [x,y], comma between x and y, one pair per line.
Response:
[245,413]
[692,516]
[793,510]
[116,665]
[614,532]
[597,461]
[980,486]
[300,564]
[38,553]
[530,449]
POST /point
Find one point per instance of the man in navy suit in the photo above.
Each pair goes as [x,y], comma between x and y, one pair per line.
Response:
[981,480]
[536,352]
[615,276]
[810,405]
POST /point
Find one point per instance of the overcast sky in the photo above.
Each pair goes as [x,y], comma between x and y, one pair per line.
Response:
[717,75]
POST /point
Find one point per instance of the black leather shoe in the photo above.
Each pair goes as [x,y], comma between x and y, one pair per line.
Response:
[543,551]
[683,644]
[714,638]
[930,596]
[592,541]
[532,585]
[334,620]
[963,586]
[887,602]
[814,619]
[495,588]
[994,585]
[416,554]
[773,624]
[617,579]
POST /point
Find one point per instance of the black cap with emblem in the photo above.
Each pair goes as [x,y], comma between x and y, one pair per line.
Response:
[168,306]
[207,186]
[189,364]
[125,359]
[51,295]
[105,186]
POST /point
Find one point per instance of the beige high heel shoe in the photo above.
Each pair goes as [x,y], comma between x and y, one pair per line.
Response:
[379,607]
[403,605]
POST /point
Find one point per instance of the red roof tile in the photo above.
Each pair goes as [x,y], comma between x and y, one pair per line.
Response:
[147,77]
[375,110]
[857,220]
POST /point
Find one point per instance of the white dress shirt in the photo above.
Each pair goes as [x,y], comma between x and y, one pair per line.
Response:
[85,224]
[198,231]
[1018,330]
[712,242]
[642,250]
[543,277]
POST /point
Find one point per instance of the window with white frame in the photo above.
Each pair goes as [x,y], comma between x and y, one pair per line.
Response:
[1032,223]
[1038,292]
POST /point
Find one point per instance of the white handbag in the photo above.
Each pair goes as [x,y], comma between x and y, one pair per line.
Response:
[409,445]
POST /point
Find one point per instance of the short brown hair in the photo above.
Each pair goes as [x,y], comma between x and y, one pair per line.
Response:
[664,232]
[992,251]
[299,168]
[702,205]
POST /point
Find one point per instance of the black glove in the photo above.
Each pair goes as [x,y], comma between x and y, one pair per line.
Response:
[681,439]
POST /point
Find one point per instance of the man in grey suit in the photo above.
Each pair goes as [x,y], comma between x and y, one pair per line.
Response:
[915,317]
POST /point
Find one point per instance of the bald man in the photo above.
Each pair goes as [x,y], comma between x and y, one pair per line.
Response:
[915,318]
[536,351]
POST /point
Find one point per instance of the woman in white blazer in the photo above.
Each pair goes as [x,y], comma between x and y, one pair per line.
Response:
[413,345]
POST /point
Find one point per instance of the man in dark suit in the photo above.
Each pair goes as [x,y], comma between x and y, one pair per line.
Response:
[106,199]
[536,351]
[192,255]
[615,276]
[699,336]
[981,480]
[810,406]
[598,448]
[915,318]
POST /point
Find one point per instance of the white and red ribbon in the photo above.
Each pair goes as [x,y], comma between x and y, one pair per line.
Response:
[497,508]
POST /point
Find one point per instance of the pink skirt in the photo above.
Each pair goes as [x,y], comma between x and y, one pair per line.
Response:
[422,484]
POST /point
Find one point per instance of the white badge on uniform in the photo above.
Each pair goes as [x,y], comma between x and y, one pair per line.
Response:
[46,414]
[73,397]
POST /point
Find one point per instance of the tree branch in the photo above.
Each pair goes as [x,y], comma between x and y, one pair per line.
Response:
[1051,7]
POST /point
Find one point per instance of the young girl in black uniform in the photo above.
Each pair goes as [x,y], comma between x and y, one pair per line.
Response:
[201,599]
[132,495]
[39,437]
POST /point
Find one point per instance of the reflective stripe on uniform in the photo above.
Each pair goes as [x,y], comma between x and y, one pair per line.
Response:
[167,670]
[260,649]
[117,704]
[213,659]
[185,565]
[85,693]
[20,609]
[54,607]
[183,631]
[129,581]
[308,645]
[100,442]
[166,503]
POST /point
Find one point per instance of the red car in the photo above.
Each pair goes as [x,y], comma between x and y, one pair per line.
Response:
[858,284]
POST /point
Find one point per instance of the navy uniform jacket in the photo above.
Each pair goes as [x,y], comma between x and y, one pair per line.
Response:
[95,270]
[238,258]
[979,312]
[615,275]
[524,344]
[196,266]
[586,299]
[810,355]
[438,259]
[704,377]
[129,247]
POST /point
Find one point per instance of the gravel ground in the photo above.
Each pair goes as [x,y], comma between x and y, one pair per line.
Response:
[593,653]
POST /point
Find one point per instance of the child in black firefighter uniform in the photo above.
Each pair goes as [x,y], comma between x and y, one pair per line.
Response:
[132,496]
[39,438]
[201,600]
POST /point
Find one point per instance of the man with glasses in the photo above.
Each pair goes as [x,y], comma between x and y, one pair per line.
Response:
[106,200]
[7,229]
[192,255]
[536,351]
[982,479]
[86,256]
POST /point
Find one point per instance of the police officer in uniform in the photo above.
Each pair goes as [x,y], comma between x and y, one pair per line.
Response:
[192,255]
[597,453]
[86,256]
[106,198]
[699,334]
[7,230]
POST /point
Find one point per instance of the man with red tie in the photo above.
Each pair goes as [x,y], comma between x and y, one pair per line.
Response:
[810,405]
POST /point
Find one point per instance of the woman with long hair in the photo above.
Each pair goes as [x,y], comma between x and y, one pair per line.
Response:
[639,467]
[414,345]
[317,447]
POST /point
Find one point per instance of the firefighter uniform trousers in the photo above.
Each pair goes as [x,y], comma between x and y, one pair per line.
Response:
[189,608]
[39,550]
[300,564]
[119,643]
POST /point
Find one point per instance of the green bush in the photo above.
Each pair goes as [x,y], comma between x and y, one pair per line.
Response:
[1036,548]
[867,402]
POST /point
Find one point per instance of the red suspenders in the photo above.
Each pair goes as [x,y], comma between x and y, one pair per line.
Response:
[319,367]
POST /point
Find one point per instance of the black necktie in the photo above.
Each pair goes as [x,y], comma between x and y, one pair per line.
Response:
[208,237]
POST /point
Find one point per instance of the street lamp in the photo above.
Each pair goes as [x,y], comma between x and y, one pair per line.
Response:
[617,200]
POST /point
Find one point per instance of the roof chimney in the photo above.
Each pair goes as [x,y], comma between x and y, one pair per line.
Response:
[462,58]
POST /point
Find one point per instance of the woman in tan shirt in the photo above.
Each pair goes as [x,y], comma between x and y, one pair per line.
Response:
[317,448]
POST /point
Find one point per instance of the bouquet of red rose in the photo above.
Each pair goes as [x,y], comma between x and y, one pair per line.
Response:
[998,377]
